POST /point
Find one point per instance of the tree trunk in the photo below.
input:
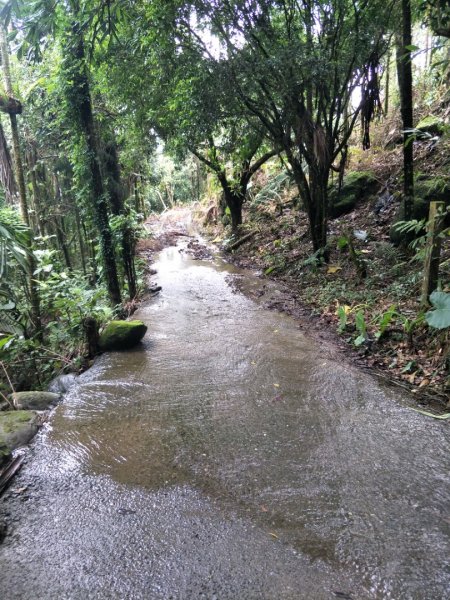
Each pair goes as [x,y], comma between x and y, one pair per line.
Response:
[404,73]
[7,178]
[314,194]
[61,237]
[31,160]
[235,207]
[62,245]
[387,84]
[233,199]
[116,195]
[80,240]
[318,183]
[79,98]
[32,288]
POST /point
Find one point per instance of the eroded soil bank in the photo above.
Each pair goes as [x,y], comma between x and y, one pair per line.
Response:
[231,455]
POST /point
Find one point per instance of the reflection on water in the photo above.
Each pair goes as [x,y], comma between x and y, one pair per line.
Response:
[237,402]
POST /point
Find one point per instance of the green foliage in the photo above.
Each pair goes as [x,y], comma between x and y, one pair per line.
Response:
[361,327]
[439,316]
[384,320]
[13,266]
[273,189]
[379,324]
[413,226]
[342,313]
[14,236]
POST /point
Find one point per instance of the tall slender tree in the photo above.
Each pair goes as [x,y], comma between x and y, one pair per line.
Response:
[78,95]
[404,73]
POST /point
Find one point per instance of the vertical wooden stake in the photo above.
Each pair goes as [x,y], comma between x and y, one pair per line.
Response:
[433,251]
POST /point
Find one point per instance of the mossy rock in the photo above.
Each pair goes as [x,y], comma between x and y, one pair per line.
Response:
[120,335]
[33,400]
[426,190]
[17,427]
[356,187]
[432,125]
[5,454]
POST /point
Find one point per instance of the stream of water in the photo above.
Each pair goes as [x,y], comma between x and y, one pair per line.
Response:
[230,456]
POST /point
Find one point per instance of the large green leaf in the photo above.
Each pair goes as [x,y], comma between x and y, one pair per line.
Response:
[439,316]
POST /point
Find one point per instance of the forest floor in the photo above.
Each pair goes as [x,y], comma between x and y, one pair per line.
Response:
[332,299]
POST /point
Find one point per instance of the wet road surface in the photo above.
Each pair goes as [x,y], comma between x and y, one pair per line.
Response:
[229,457]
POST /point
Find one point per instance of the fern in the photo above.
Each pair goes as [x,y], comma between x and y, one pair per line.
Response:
[8,325]
[272,190]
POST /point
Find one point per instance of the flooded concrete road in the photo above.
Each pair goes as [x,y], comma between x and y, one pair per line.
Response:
[229,457]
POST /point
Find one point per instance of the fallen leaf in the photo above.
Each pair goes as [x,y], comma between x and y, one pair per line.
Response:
[276,385]
[274,535]
[428,414]
[333,269]
[424,382]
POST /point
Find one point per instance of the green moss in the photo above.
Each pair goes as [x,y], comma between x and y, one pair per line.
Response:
[17,427]
[357,186]
[11,420]
[4,453]
[431,124]
[119,335]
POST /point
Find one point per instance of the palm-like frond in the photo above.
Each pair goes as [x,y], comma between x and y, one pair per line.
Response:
[13,241]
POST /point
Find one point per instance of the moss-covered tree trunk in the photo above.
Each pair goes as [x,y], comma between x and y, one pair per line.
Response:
[79,99]
[116,196]
[81,241]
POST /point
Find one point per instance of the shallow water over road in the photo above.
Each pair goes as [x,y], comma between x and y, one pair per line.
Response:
[229,457]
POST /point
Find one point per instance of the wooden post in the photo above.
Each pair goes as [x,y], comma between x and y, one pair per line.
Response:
[433,250]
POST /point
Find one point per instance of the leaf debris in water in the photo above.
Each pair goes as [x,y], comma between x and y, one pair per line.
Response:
[428,414]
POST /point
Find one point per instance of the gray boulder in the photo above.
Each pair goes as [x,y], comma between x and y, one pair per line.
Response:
[33,400]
